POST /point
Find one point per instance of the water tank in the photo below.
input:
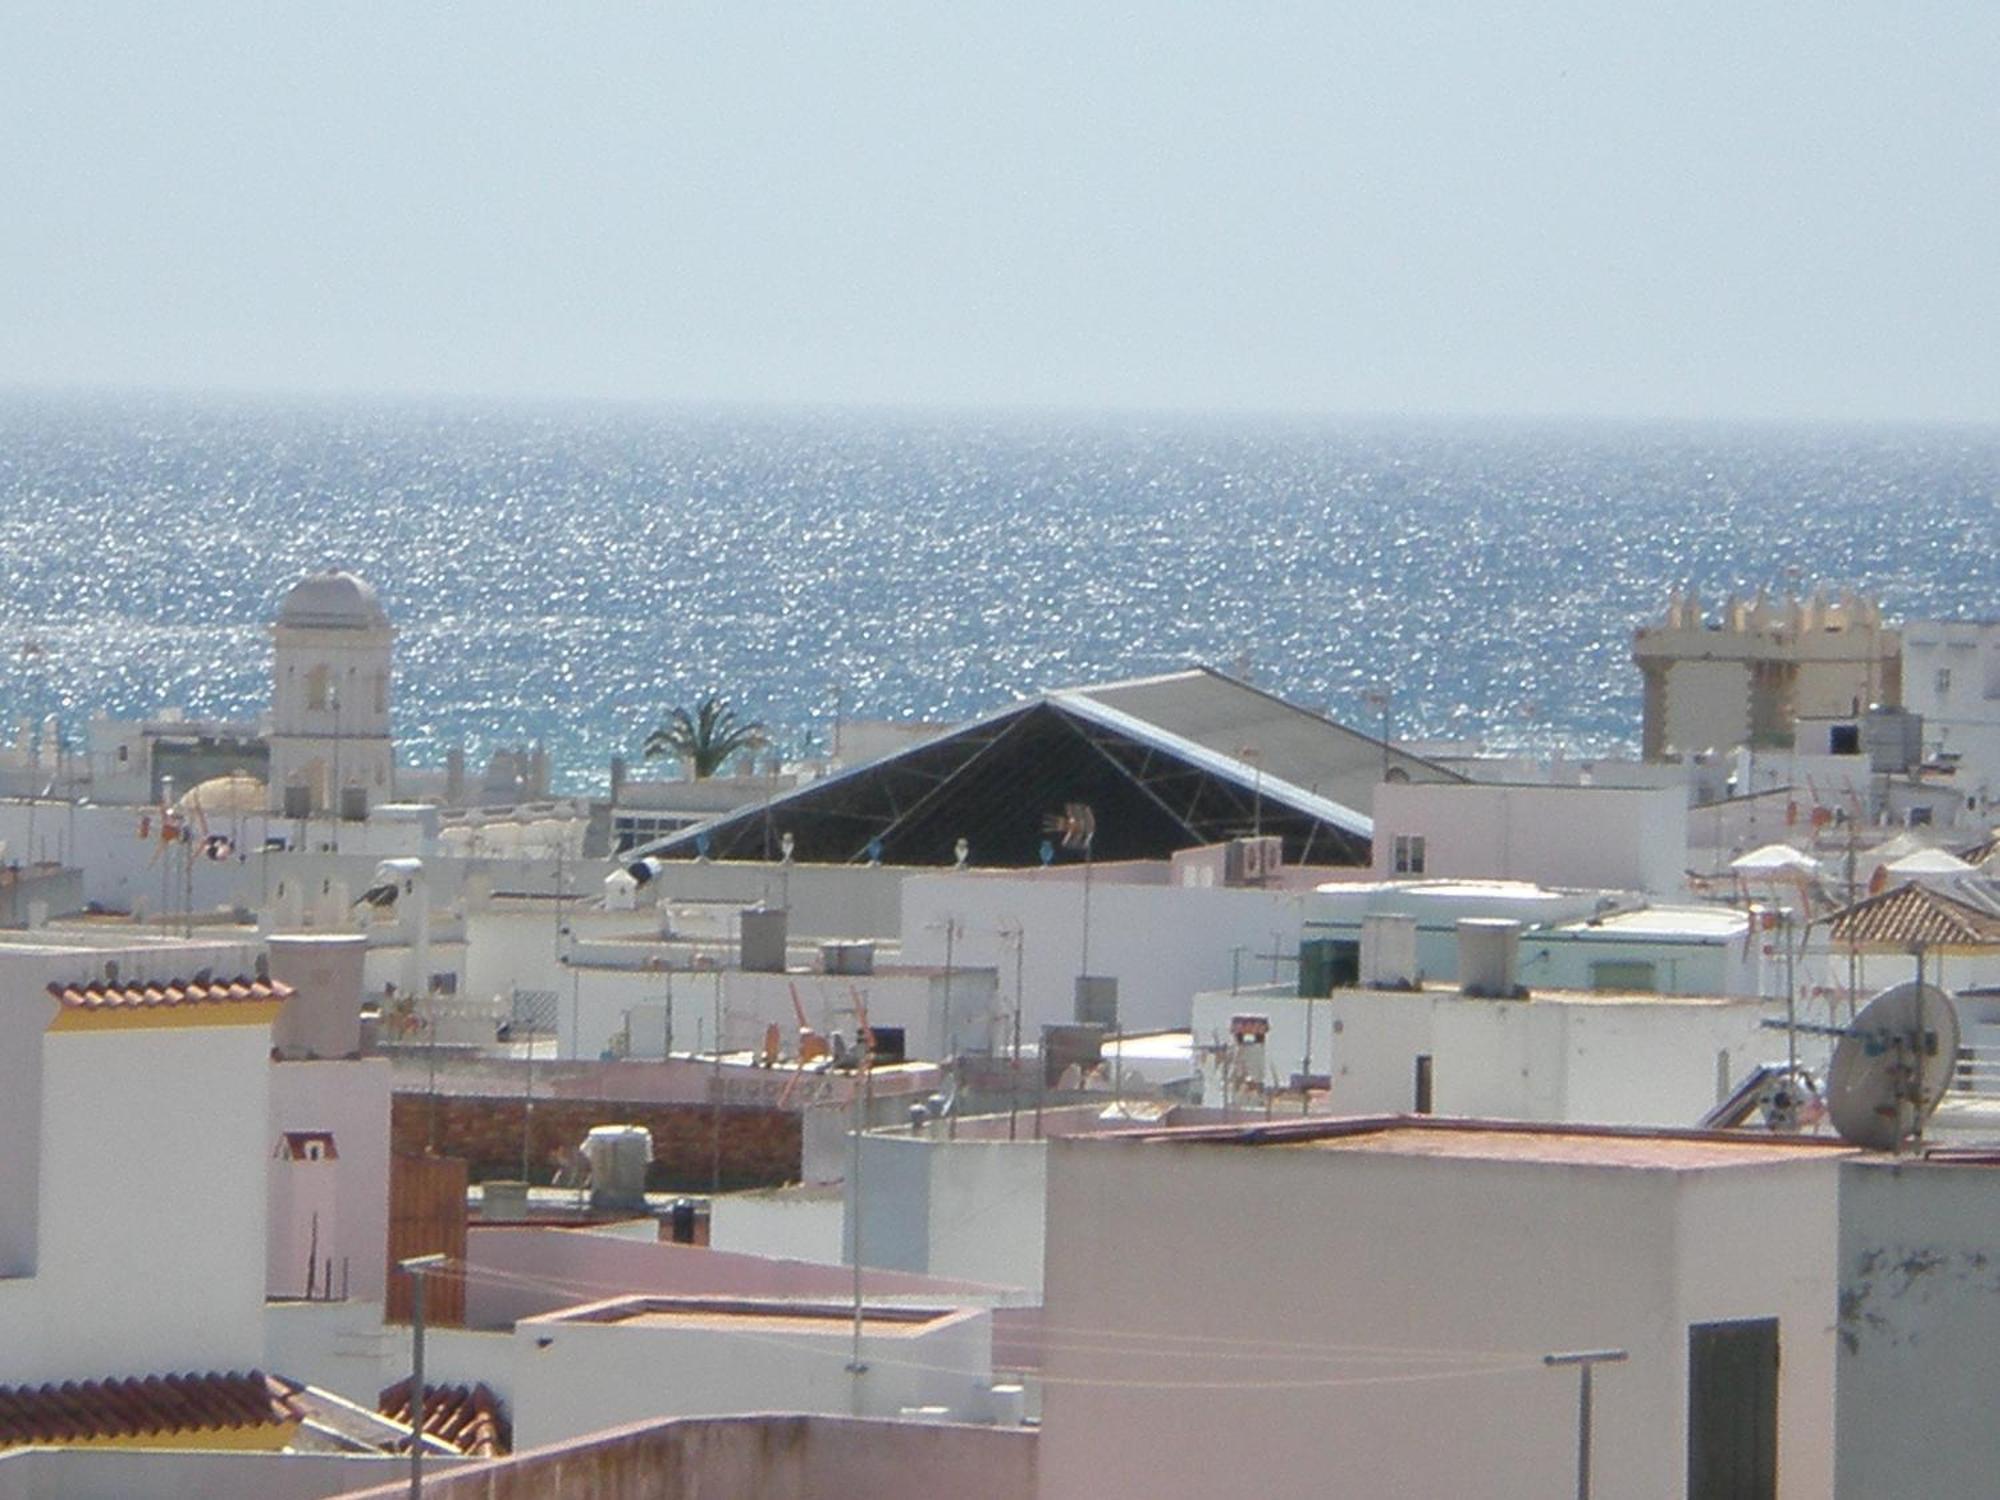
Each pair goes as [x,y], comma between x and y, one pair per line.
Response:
[1894,738]
[762,934]
[848,956]
[1097,1000]
[502,1202]
[1389,951]
[1488,956]
[327,973]
[618,1156]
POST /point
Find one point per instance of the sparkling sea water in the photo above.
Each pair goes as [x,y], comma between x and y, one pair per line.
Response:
[571,572]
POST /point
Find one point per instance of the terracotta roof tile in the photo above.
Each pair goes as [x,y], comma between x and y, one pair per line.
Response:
[156,1405]
[469,1418]
[246,989]
[1913,914]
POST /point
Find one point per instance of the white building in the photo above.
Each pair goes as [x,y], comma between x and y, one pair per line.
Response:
[635,1358]
[1918,1316]
[329,1130]
[1161,943]
[331,754]
[1561,1057]
[135,1104]
[1363,1307]
[1951,676]
[1570,939]
[1608,838]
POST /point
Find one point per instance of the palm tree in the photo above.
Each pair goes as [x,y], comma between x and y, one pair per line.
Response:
[704,740]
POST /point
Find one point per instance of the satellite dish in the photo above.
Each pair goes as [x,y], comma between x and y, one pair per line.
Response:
[1891,1067]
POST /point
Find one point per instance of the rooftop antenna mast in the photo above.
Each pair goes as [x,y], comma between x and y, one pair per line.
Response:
[863,1090]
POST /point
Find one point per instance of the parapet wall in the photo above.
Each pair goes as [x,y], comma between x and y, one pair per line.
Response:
[759,1147]
[770,1457]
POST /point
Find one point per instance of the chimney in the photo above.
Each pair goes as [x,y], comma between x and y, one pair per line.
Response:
[323,1019]
[1489,951]
[1389,951]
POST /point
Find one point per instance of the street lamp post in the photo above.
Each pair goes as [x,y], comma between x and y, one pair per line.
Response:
[417,1268]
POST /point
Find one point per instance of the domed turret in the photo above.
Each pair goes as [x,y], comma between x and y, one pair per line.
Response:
[330,661]
[332,601]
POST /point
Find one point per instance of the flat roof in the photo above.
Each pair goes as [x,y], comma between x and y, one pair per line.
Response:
[761,1315]
[1666,921]
[1551,1149]
[1438,1138]
[1485,890]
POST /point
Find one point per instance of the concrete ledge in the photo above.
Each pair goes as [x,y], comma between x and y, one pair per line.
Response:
[772,1457]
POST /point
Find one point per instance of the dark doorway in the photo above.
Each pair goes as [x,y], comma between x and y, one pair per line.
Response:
[1733,1410]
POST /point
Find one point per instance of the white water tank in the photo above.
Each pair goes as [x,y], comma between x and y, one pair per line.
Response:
[328,972]
[847,956]
[621,892]
[1388,951]
[618,1156]
[1489,950]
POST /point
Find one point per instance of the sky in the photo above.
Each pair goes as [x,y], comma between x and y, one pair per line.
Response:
[1737,210]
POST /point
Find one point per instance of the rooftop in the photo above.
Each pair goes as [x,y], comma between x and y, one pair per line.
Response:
[1167,764]
[1911,915]
[158,1405]
[760,1315]
[467,1418]
[159,994]
[1667,922]
[1487,1140]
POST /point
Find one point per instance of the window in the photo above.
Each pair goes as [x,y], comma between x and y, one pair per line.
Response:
[1409,854]
[1943,682]
[1624,976]
[316,688]
[1844,739]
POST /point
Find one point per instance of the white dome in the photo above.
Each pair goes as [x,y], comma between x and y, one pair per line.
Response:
[332,601]
[238,794]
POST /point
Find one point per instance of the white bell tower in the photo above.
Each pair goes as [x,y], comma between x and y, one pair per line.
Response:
[331,754]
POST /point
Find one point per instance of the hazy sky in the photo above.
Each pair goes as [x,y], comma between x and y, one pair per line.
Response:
[1730,208]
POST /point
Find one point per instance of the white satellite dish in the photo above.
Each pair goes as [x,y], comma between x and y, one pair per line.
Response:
[1892,1066]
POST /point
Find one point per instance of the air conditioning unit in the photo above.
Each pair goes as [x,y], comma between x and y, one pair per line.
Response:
[1253,861]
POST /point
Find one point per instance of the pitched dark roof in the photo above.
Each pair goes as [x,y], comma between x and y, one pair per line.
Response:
[155,1406]
[1295,744]
[992,782]
[469,1418]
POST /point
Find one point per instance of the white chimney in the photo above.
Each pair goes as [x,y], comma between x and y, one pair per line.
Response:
[1489,951]
[1388,951]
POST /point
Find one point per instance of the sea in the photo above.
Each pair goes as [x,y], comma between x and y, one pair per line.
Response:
[571,572]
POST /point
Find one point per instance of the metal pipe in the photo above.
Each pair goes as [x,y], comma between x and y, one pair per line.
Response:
[1586,1360]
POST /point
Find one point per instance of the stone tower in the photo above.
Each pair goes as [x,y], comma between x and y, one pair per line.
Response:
[330,749]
